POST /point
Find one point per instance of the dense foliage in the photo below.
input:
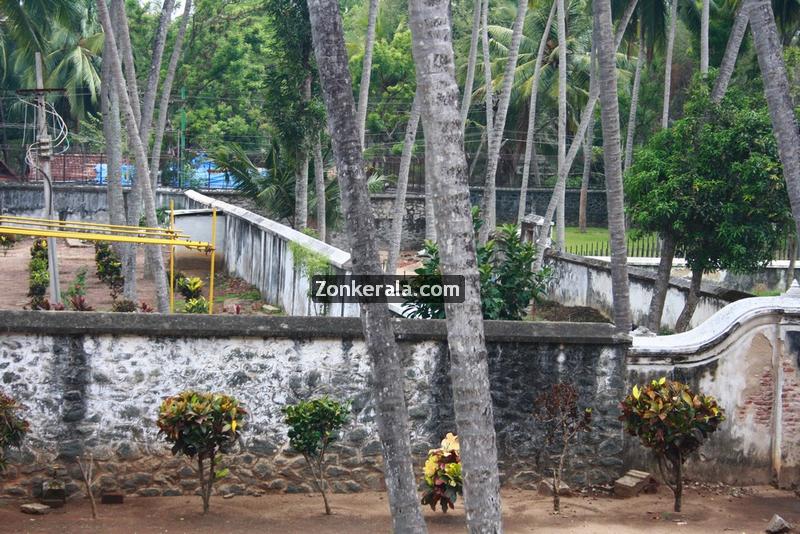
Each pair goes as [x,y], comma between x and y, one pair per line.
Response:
[443,479]
[313,426]
[202,426]
[672,420]
[38,275]
[12,427]
[109,268]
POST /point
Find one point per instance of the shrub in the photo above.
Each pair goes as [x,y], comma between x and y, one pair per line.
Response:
[673,421]
[557,410]
[77,287]
[38,274]
[78,303]
[443,475]
[7,242]
[123,306]
[190,288]
[39,248]
[109,268]
[198,305]
[146,308]
[508,284]
[313,426]
[202,426]
[12,427]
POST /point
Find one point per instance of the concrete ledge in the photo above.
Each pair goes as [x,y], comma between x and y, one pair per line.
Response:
[205,326]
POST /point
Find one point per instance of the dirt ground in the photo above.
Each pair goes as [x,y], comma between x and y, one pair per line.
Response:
[361,513]
[74,255]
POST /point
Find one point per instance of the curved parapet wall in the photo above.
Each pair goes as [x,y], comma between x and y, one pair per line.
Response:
[257,250]
[747,356]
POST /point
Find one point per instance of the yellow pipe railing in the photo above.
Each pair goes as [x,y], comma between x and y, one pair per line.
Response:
[79,226]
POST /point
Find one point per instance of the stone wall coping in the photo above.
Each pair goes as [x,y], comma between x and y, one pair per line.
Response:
[337,257]
[295,327]
[694,345]
[707,289]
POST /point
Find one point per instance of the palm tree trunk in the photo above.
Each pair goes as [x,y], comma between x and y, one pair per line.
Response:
[151,90]
[562,119]
[673,25]
[433,56]
[301,192]
[366,70]
[396,235]
[529,136]
[776,88]
[112,135]
[731,53]
[587,117]
[166,91]
[637,81]
[473,59]
[490,190]
[489,98]
[704,19]
[142,171]
[126,56]
[319,186]
[609,115]
[685,318]
[588,147]
[668,245]
[387,373]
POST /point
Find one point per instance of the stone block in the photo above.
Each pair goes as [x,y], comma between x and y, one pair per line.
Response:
[35,509]
[632,483]
[545,488]
[54,493]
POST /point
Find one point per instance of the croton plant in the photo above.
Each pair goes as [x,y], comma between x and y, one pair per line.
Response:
[443,475]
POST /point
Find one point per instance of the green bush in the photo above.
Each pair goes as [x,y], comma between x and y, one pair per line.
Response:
[7,242]
[442,471]
[508,284]
[198,305]
[109,268]
[12,427]
[313,426]
[38,274]
[78,286]
[123,306]
[673,421]
[202,426]
[190,288]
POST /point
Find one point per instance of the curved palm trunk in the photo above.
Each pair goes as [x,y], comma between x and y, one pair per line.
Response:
[137,148]
[151,90]
[319,186]
[673,25]
[396,235]
[776,88]
[125,51]
[704,16]
[588,146]
[562,120]
[366,70]
[112,134]
[587,117]
[529,136]
[489,190]
[685,318]
[731,53]
[473,59]
[433,56]
[387,373]
[489,97]
[609,115]
[637,81]
[166,91]
[661,287]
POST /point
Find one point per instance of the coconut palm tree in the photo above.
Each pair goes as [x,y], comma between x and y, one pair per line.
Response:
[637,81]
[471,61]
[366,70]
[704,20]
[673,25]
[609,106]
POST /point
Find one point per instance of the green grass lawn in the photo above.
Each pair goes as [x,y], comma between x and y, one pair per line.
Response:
[574,236]
[599,237]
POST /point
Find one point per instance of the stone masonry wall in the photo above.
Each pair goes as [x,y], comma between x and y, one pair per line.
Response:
[90,383]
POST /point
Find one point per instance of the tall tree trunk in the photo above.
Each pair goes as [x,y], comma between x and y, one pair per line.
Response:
[396,235]
[490,190]
[685,318]
[137,148]
[112,135]
[430,213]
[673,25]
[366,70]
[387,373]
[562,120]
[587,117]
[704,20]
[151,90]
[792,262]
[588,148]
[125,50]
[529,136]
[301,172]
[166,91]
[731,53]
[637,81]
[319,186]
[489,97]
[668,245]
[433,55]
[776,88]
[471,61]
[609,115]
[477,155]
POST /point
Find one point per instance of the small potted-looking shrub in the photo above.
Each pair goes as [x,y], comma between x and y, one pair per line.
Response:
[12,427]
[190,287]
[313,426]
[672,420]
[202,426]
[442,472]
